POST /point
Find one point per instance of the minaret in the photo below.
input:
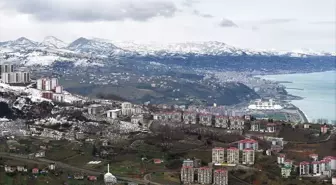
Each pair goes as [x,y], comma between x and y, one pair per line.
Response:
[108,168]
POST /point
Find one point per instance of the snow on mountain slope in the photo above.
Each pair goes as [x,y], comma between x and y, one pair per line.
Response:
[20,43]
[93,47]
[53,42]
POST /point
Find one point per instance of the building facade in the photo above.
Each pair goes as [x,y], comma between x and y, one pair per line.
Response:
[187,175]
[236,123]
[15,77]
[204,175]
[304,168]
[221,121]
[218,155]
[220,177]
[248,143]
[248,156]
[205,119]
[233,155]
[190,118]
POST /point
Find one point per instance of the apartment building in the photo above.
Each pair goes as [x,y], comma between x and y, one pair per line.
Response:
[236,123]
[220,177]
[190,117]
[221,121]
[248,156]
[15,77]
[187,175]
[218,155]
[205,119]
[248,143]
[304,168]
[204,175]
[233,155]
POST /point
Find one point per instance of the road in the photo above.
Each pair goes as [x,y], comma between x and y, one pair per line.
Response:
[65,166]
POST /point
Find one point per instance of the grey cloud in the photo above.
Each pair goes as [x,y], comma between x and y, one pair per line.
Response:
[276,21]
[227,23]
[198,13]
[92,10]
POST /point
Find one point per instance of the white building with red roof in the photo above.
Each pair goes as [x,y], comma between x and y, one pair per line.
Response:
[233,155]
[187,175]
[248,156]
[218,155]
[220,177]
[248,143]
[204,175]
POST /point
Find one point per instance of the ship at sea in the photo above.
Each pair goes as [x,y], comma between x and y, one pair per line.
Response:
[260,104]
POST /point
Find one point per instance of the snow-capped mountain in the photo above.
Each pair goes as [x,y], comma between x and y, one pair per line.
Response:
[20,43]
[83,45]
[208,48]
[51,49]
[53,42]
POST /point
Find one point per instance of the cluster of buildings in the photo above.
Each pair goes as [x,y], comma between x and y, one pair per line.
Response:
[259,126]
[214,173]
[24,168]
[232,156]
[191,173]
[313,167]
[9,76]
[50,89]
[205,119]
[127,109]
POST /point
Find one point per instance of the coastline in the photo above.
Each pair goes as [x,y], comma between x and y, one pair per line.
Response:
[304,117]
[305,95]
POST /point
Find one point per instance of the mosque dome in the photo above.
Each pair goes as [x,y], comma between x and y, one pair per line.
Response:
[109,179]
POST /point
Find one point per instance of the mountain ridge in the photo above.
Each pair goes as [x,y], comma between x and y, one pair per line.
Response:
[108,47]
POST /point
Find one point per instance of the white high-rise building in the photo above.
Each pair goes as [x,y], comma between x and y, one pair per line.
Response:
[218,155]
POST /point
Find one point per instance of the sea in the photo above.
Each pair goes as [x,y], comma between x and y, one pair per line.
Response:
[318,91]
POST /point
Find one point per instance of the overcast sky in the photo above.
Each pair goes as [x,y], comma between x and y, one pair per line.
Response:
[259,24]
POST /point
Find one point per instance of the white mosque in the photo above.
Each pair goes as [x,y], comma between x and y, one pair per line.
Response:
[109,179]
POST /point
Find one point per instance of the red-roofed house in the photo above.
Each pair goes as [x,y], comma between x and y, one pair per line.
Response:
[92,178]
[35,170]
